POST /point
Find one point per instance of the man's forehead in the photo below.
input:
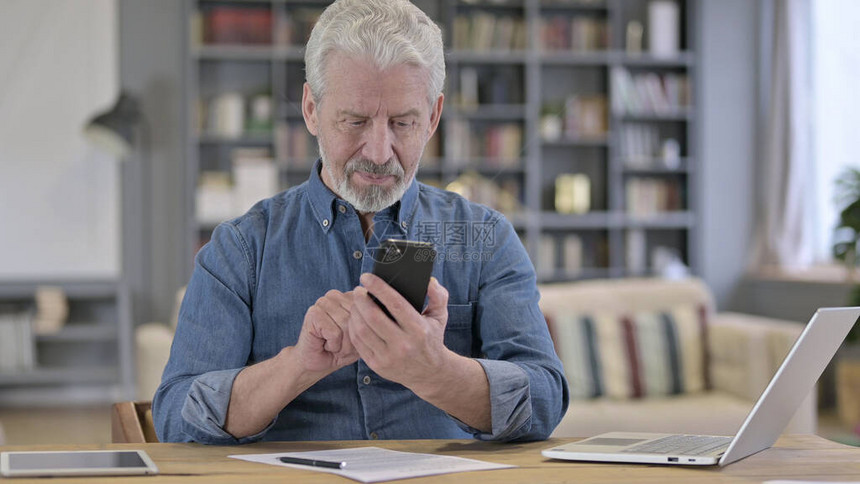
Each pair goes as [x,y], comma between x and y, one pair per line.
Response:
[361,111]
[393,100]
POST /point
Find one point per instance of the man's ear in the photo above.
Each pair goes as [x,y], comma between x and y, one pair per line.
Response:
[309,110]
[435,115]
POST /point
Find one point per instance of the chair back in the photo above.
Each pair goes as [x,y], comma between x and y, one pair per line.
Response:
[131,423]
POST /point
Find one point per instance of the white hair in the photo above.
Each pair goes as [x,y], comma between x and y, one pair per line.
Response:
[387,32]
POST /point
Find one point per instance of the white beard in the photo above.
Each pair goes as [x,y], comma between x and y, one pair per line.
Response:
[373,198]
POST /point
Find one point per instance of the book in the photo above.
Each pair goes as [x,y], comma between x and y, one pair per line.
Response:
[572,193]
[586,116]
[572,248]
[546,255]
[503,145]
[649,92]
[503,196]
[255,177]
[224,24]
[636,256]
[52,309]
[649,196]
[294,145]
[468,87]
[578,33]
[214,198]
[485,31]
[297,26]
[17,350]
[640,144]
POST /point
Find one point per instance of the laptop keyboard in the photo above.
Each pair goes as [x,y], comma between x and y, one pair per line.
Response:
[681,445]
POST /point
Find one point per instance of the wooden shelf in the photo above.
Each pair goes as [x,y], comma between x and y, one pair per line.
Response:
[81,332]
[56,376]
[492,112]
[682,115]
[248,53]
[491,4]
[500,57]
[577,143]
[246,139]
[488,166]
[682,60]
[576,6]
[572,58]
[591,221]
[654,166]
[95,289]
[664,220]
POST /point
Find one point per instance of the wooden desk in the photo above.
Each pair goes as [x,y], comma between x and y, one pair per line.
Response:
[799,457]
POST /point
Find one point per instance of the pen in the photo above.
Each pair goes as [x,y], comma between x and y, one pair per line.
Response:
[313,462]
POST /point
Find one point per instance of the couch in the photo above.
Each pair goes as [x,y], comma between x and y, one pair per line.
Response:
[152,350]
[728,358]
[742,353]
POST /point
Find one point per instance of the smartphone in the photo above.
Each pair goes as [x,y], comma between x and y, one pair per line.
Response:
[406,266]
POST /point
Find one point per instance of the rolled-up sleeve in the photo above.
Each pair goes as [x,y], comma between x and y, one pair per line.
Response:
[211,346]
[528,389]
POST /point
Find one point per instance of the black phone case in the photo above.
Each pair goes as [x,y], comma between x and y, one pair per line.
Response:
[406,266]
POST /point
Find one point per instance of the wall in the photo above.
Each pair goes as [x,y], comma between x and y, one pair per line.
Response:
[59,197]
[728,72]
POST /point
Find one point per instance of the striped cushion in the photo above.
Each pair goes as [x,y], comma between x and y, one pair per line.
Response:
[633,355]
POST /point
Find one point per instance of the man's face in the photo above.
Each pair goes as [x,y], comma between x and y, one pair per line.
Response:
[371,127]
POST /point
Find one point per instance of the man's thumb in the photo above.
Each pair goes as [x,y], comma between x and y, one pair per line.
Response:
[437,299]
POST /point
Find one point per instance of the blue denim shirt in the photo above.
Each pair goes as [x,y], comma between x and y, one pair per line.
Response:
[256,278]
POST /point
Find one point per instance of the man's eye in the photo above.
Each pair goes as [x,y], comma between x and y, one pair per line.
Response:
[355,123]
[402,124]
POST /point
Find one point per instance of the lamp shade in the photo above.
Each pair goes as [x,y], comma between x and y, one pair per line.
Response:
[113,130]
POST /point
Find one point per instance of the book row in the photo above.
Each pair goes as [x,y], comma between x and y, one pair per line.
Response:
[649,92]
[249,25]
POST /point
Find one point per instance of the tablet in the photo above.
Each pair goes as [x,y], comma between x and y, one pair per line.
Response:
[76,463]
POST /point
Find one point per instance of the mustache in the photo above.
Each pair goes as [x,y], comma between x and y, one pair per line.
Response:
[390,167]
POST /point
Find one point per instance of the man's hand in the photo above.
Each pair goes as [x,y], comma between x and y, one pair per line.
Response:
[324,344]
[262,390]
[410,350]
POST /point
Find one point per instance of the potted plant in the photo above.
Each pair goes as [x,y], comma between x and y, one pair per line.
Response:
[848,231]
[846,238]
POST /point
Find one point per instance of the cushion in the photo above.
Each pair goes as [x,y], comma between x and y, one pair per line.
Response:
[704,413]
[633,355]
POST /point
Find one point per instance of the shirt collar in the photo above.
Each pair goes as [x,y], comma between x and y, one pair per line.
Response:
[323,201]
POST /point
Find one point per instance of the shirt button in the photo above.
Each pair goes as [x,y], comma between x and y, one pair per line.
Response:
[374,436]
[325,222]
[341,209]
[403,224]
[366,380]
[357,254]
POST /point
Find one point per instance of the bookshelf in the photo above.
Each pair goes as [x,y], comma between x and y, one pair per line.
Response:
[92,350]
[539,93]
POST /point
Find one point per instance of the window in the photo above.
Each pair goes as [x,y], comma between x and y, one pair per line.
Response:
[835,63]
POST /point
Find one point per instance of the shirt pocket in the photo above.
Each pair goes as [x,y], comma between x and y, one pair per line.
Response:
[458,331]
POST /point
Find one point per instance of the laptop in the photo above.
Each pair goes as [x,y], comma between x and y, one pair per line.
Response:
[794,379]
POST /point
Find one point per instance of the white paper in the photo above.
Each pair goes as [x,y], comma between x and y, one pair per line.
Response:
[373,464]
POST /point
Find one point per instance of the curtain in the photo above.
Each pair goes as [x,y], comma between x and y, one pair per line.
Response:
[786,192]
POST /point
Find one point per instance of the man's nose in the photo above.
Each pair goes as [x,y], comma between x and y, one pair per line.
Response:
[378,143]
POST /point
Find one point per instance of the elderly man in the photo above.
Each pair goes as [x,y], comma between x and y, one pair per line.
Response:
[279,337]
